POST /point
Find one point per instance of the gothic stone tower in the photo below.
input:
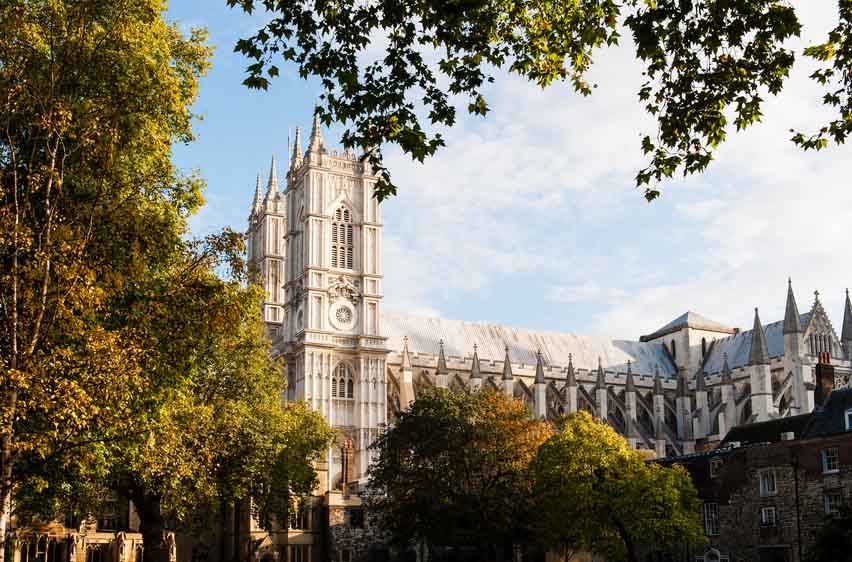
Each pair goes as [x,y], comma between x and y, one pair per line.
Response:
[331,341]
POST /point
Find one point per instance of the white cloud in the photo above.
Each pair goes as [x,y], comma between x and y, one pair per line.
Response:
[542,191]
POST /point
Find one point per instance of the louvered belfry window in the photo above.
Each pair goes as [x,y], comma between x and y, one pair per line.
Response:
[342,247]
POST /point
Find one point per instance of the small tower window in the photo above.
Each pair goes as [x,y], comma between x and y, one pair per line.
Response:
[342,383]
[342,246]
[703,347]
[674,350]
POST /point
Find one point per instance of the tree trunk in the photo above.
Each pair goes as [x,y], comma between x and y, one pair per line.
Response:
[6,475]
[152,528]
[628,541]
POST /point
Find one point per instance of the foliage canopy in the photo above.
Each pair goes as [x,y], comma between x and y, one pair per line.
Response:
[453,471]
[394,71]
[592,492]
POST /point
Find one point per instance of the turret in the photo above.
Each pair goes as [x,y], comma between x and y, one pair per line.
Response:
[659,397]
[570,387]
[659,439]
[255,205]
[442,374]
[316,144]
[475,372]
[683,405]
[272,185]
[701,405]
[508,377]
[406,384]
[762,402]
[296,158]
[729,399]
[600,393]
[540,391]
[846,332]
[794,351]
[630,394]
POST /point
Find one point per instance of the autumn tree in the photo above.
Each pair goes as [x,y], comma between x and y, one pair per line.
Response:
[593,493]
[453,472]
[94,93]
[123,356]
[395,71]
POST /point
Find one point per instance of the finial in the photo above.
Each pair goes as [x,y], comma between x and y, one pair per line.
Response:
[256,202]
[272,186]
[296,158]
[816,296]
[474,348]
[316,144]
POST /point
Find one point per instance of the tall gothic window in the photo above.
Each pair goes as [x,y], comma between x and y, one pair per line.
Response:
[342,247]
[342,383]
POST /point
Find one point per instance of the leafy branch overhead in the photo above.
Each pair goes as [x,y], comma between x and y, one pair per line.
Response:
[394,71]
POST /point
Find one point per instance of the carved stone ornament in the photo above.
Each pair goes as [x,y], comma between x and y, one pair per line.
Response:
[298,289]
[343,288]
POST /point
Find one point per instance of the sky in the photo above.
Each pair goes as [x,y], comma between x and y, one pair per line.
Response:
[529,216]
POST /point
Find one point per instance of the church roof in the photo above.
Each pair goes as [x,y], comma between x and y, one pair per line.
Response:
[738,346]
[425,332]
[689,319]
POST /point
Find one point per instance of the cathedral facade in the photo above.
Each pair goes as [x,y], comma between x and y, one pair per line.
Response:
[316,246]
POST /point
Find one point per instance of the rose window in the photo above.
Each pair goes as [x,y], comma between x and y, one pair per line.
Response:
[343,315]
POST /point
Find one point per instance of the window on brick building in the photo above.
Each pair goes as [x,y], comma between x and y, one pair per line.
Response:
[767,483]
[710,516]
[715,468]
[849,419]
[356,517]
[832,501]
[768,517]
[830,460]
[345,555]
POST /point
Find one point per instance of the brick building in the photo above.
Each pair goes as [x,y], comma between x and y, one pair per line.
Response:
[769,487]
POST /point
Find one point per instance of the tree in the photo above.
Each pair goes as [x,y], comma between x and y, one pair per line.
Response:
[452,472]
[705,60]
[94,93]
[833,541]
[592,492]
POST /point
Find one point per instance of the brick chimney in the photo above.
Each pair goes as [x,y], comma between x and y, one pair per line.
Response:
[824,379]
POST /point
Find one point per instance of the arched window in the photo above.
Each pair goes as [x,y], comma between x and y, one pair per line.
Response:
[342,383]
[342,246]
[703,347]
[674,350]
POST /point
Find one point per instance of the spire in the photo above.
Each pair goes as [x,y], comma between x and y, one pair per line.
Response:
[846,332]
[475,373]
[507,366]
[406,359]
[442,361]
[272,186]
[759,353]
[658,381]
[296,159]
[726,370]
[601,383]
[539,368]
[315,144]
[791,314]
[571,376]
[256,203]
[630,386]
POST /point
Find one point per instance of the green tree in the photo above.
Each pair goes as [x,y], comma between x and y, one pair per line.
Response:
[833,541]
[452,472]
[93,93]
[706,61]
[592,492]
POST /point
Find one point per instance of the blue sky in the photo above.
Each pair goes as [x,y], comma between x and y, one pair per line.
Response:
[529,217]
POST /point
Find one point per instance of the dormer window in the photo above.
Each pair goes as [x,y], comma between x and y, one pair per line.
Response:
[342,247]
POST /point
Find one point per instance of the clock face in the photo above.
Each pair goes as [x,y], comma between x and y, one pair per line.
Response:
[342,316]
